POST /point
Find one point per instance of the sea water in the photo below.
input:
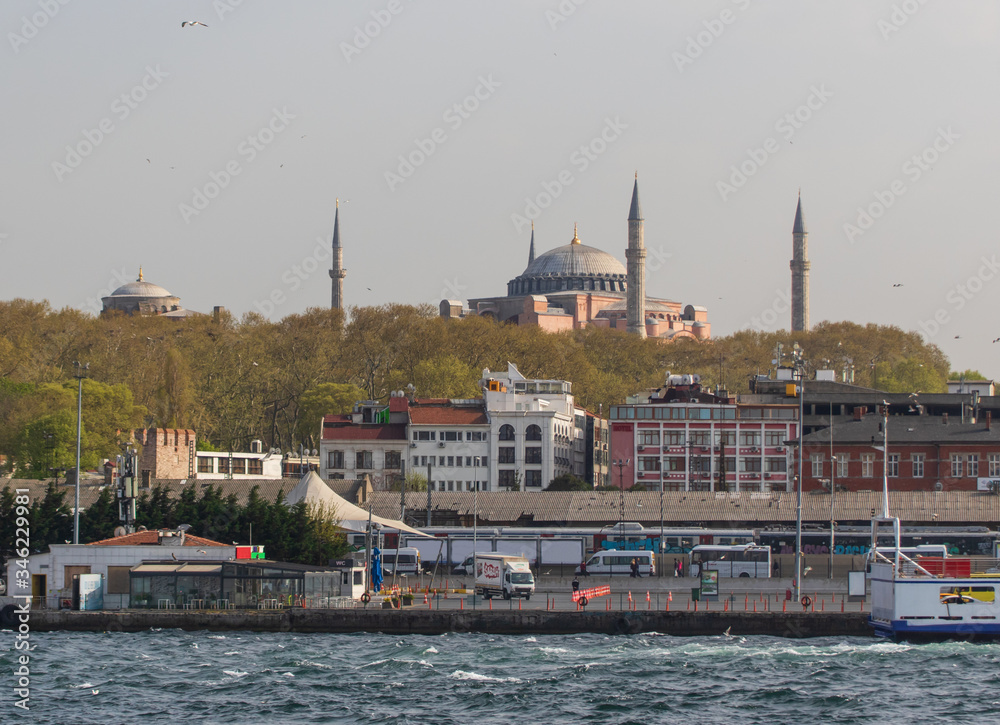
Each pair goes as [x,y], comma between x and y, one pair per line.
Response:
[172,676]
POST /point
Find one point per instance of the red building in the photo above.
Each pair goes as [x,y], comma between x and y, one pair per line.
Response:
[925,453]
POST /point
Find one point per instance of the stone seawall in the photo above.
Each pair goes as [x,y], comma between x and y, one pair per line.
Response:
[777,624]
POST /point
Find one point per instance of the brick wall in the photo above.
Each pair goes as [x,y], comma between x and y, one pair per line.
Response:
[165,453]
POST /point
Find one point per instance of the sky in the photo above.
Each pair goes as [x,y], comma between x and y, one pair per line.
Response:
[213,156]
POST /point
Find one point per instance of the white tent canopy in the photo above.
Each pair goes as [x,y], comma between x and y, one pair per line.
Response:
[313,490]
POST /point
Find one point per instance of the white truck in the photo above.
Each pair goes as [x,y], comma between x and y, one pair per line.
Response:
[503,575]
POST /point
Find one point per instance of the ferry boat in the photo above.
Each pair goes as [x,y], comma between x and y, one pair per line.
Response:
[928,597]
[916,597]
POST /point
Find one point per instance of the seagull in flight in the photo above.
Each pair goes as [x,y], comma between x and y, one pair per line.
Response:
[997,340]
[899,284]
[726,633]
[193,23]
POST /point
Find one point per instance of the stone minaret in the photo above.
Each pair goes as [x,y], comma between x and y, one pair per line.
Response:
[800,272]
[338,272]
[635,255]
[531,249]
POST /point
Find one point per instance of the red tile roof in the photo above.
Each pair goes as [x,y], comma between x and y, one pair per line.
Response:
[366,432]
[447,415]
[152,538]
[336,418]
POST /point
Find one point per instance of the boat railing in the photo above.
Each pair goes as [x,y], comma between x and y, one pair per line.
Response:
[907,566]
[941,567]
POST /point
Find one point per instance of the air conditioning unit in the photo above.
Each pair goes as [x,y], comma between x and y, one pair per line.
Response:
[413,445]
[780,449]
[767,475]
[642,448]
[718,448]
[755,450]
[441,444]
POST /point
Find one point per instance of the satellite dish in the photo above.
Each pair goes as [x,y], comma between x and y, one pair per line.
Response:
[184,527]
[315,452]
[119,531]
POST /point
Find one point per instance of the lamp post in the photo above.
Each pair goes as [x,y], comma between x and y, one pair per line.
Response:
[797,353]
[81,373]
[833,486]
[621,463]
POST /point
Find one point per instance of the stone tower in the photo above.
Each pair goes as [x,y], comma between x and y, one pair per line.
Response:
[338,272]
[800,272]
[635,255]
[531,249]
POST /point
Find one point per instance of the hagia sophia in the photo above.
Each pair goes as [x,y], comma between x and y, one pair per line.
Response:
[570,287]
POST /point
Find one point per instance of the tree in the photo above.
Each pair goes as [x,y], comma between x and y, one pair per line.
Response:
[966,375]
[324,399]
[415,481]
[568,482]
[99,520]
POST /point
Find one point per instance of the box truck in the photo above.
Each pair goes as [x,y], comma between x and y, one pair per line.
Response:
[503,575]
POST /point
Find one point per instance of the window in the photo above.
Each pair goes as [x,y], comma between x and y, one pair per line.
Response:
[458,461]
[533,478]
[363,460]
[917,461]
[450,435]
[533,454]
[776,465]
[204,464]
[423,461]
[973,465]
[506,432]
[475,435]
[956,465]
[727,438]
[867,465]
[255,466]
[649,463]
[506,479]
[750,438]
[817,465]
[451,460]
[393,460]
[239,465]
[774,438]
[673,463]
[673,438]
[423,435]
[842,461]
[506,454]
[335,459]
[223,465]
[440,460]
[750,465]
[995,465]
[649,437]
[893,465]
[701,438]
[533,433]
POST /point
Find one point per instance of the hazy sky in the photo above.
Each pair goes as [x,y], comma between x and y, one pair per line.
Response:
[119,124]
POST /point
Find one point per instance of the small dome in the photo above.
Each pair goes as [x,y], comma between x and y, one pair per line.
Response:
[140,288]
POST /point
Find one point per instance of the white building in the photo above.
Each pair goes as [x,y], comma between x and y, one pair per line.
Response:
[532,429]
[450,443]
[216,465]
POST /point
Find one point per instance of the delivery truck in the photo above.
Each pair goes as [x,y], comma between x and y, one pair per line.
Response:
[503,575]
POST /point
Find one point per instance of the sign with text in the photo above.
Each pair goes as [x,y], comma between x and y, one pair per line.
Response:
[709,583]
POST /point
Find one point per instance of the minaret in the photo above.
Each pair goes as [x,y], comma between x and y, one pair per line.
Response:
[800,272]
[531,249]
[635,255]
[338,272]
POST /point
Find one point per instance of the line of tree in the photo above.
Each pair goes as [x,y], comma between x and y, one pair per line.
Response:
[289,533]
[234,380]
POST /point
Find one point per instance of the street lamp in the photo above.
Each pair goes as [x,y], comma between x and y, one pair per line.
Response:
[797,353]
[81,373]
[621,463]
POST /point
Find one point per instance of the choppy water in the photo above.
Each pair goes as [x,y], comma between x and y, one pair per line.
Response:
[201,677]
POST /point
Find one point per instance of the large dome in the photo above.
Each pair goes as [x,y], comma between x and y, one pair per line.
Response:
[140,288]
[574,260]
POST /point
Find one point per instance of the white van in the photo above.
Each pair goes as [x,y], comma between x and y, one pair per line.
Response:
[615,561]
[400,561]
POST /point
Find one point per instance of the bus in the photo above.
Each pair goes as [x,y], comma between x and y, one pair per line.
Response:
[738,560]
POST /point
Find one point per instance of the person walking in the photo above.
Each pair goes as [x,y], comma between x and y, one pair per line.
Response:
[635,569]
[583,569]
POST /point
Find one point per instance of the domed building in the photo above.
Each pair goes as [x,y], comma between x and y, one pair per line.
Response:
[575,285]
[144,298]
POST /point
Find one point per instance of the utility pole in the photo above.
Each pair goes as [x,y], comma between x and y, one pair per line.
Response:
[428,494]
[81,373]
[797,353]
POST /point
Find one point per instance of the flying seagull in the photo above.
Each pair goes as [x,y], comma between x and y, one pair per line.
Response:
[997,340]
[898,285]
[193,23]
[726,633]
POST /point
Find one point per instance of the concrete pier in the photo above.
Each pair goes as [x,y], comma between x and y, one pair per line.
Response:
[417,621]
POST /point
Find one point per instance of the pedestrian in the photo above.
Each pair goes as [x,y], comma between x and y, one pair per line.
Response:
[635,569]
[576,584]
[679,569]
[583,569]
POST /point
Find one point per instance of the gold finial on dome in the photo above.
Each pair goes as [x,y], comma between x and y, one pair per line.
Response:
[576,238]
[140,274]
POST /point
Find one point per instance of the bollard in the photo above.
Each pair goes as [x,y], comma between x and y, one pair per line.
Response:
[521,600]
[784,605]
[461,603]
[491,604]
[696,606]
[754,606]
[725,605]
[649,604]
